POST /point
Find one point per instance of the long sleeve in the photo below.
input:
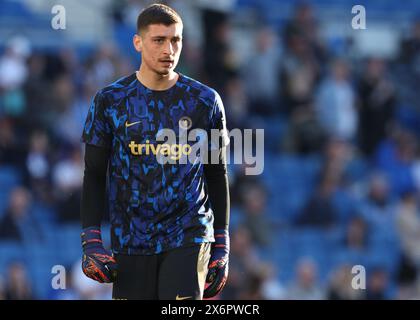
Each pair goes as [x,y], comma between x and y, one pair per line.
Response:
[94,185]
[218,190]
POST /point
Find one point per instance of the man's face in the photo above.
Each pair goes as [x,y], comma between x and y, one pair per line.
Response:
[160,47]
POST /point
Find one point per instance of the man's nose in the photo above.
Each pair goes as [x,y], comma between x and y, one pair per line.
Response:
[169,48]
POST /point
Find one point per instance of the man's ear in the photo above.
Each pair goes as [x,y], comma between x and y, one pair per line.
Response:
[137,43]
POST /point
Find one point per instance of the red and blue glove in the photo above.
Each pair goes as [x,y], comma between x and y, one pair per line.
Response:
[97,263]
[218,264]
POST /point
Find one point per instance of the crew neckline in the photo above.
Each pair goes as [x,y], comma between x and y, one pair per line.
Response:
[154,90]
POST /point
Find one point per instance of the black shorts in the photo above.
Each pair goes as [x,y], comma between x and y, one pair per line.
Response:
[178,274]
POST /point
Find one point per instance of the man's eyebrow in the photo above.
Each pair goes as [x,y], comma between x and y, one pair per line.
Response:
[164,37]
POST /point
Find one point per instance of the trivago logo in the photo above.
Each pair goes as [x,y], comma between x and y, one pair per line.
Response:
[197,146]
[173,151]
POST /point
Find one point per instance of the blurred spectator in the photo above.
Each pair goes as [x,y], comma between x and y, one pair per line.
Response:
[37,92]
[336,103]
[68,127]
[377,284]
[377,102]
[410,48]
[72,64]
[356,237]
[320,210]
[243,259]
[2,289]
[128,10]
[17,222]
[305,53]
[271,288]
[408,224]
[252,289]
[306,286]
[414,294]
[378,209]
[236,101]
[56,66]
[239,182]
[304,24]
[340,285]
[341,156]
[305,135]
[219,59]
[254,207]
[62,96]
[262,74]
[13,72]
[299,73]
[11,150]
[68,173]
[13,69]
[18,286]
[101,69]
[38,166]
[68,177]
[340,174]
[396,157]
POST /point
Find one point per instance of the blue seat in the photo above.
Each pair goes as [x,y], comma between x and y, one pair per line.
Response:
[292,245]
[10,251]
[14,8]
[236,217]
[44,215]
[69,249]
[42,276]
[10,177]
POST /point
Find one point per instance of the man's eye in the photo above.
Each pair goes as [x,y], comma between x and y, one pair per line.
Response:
[159,41]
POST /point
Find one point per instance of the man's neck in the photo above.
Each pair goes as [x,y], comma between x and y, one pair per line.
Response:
[154,81]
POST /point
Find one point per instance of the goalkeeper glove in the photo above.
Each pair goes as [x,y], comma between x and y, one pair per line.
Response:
[97,263]
[218,264]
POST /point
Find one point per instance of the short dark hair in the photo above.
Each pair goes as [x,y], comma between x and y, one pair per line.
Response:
[157,14]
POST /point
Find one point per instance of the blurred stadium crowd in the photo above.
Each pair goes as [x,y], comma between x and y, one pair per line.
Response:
[342,161]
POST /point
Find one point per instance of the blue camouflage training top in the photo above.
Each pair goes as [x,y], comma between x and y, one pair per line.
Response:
[155,206]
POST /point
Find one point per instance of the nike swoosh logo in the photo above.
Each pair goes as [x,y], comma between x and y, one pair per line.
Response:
[131,124]
[182,298]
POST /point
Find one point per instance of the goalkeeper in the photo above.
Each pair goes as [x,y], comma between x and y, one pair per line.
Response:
[169,222]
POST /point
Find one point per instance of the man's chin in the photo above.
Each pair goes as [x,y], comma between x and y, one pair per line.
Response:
[165,72]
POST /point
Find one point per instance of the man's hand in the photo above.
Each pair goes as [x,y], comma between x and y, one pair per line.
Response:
[218,264]
[97,263]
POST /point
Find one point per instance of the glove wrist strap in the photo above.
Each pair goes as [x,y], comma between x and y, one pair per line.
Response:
[221,237]
[91,237]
